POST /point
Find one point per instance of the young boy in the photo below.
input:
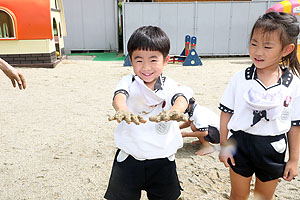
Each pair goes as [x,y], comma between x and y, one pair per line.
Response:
[13,74]
[146,148]
[205,126]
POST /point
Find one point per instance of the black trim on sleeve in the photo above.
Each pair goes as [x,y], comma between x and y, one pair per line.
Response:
[176,96]
[225,109]
[296,123]
[121,91]
[203,129]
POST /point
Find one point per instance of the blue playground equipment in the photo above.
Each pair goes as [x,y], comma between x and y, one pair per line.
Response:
[188,56]
[127,62]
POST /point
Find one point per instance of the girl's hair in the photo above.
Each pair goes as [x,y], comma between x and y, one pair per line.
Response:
[149,38]
[288,28]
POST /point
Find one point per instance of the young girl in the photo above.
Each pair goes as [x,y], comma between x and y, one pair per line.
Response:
[260,107]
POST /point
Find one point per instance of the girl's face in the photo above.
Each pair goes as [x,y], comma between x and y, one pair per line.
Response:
[148,65]
[266,49]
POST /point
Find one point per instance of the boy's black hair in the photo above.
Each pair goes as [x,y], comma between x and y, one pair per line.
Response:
[149,38]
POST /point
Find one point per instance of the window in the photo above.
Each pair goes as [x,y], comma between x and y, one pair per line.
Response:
[56,5]
[7,29]
[55,31]
[60,33]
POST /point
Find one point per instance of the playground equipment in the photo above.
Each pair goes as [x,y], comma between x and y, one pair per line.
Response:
[188,56]
[127,62]
[288,6]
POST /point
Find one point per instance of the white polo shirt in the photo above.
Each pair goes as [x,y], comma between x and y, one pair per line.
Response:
[150,140]
[260,110]
[203,117]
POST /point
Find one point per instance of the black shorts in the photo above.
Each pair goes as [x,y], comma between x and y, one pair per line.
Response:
[256,154]
[158,177]
[213,135]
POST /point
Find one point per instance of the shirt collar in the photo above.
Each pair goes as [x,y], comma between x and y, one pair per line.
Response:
[191,112]
[285,79]
[158,84]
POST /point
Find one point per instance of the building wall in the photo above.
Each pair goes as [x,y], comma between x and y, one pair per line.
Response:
[221,28]
[26,46]
[91,25]
[194,0]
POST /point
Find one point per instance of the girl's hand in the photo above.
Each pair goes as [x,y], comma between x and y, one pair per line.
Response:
[290,170]
[225,153]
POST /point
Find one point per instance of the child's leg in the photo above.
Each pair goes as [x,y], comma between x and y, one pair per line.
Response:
[161,179]
[126,179]
[265,190]
[206,147]
[240,186]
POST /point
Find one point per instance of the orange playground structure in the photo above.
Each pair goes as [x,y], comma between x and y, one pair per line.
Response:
[31,32]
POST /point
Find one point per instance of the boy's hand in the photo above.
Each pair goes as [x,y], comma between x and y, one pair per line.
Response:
[128,117]
[169,115]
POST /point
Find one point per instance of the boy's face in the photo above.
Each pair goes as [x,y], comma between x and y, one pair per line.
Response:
[148,65]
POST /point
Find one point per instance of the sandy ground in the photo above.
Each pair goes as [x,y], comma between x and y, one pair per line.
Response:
[56,142]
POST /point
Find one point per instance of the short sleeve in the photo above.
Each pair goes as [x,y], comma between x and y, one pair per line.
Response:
[227,100]
[296,110]
[200,121]
[123,85]
[174,90]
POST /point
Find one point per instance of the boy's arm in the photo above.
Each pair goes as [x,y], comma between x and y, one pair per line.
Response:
[293,142]
[119,102]
[179,105]
[13,74]
[122,111]
[225,149]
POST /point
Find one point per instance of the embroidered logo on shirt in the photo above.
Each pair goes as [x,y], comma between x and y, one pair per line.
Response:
[286,111]
[287,101]
[162,128]
[258,115]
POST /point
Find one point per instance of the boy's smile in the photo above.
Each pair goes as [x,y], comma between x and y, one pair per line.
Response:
[148,65]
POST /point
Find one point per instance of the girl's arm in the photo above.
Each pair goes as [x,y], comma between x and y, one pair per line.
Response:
[294,144]
[225,151]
